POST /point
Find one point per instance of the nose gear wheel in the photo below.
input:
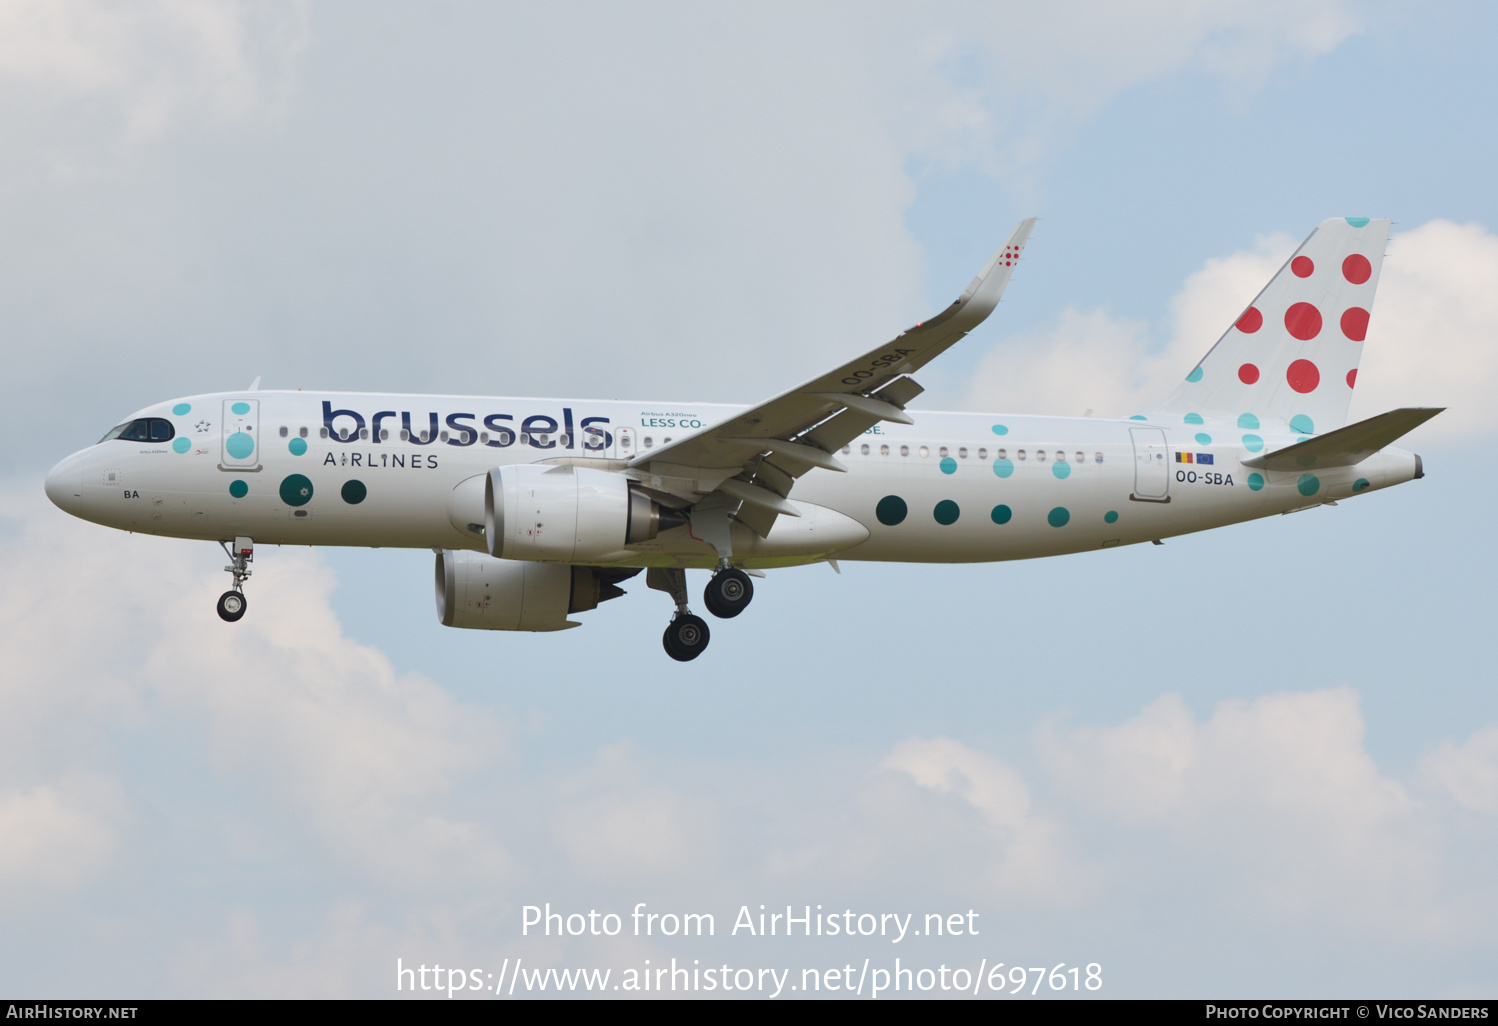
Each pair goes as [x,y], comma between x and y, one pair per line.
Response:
[231,605]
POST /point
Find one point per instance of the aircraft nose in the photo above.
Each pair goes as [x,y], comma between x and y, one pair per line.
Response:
[65,485]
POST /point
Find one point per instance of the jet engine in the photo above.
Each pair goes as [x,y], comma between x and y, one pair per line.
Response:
[567,514]
[479,591]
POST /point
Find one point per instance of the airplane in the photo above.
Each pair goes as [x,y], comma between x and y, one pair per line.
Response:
[537,509]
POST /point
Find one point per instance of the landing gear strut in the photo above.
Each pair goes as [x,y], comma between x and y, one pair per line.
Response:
[728,593]
[686,635]
[232,603]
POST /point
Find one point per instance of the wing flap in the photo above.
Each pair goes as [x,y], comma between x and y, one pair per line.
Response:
[1348,446]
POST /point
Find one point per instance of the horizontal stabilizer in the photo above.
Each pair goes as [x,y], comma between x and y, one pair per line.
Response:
[1346,446]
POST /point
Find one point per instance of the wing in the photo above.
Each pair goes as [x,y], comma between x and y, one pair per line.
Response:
[755,457]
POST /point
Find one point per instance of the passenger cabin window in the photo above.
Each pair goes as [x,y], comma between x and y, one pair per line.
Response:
[1002,454]
[284,431]
[943,452]
[864,449]
[324,432]
[384,434]
[904,450]
[1020,454]
[983,454]
[146,429]
[1040,454]
[301,432]
[884,450]
[962,453]
[648,441]
[1081,457]
[925,452]
[1099,457]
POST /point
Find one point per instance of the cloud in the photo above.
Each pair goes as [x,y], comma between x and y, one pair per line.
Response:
[1468,772]
[1278,795]
[154,63]
[367,758]
[615,824]
[56,836]
[1027,858]
[1095,360]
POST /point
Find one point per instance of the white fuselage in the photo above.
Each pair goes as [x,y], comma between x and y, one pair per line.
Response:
[954,487]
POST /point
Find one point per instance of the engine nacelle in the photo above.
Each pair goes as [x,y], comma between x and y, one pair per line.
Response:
[564,514]
[479,591]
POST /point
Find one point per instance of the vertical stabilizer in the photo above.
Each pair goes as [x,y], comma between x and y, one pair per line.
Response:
[1291,358]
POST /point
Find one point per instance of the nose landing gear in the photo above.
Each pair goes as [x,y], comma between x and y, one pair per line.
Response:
[686,635]
[232,603]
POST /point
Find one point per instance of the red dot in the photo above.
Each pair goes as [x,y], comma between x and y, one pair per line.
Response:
[1303,376]
[1251,321]
[1302,267]
[1248,374]
[1355,323]
[1303,321]
[1357,269]
[1352,377]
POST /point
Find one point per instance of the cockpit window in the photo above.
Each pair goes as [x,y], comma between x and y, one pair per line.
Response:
[146,429]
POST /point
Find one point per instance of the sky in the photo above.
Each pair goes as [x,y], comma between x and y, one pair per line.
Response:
[1256,762]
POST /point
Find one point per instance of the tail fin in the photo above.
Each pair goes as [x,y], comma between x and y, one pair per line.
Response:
[1291,358]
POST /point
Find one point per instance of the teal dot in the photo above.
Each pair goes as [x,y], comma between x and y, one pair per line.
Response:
[1000,429]
[1360,484]
[1309,484]
[1303,438]
[239,489]
[1058,517]
[1194,418]
[1253,443]
[1139,416]
[891,510]
[1358,222]
[946,512]
[239,445]
[1300,422]
[1110,517]
[1202,438]
[1061,469]
[353,492]
[297,446]
[1249,421]
[181,444]
[1003,467]
[240,409]
[182,409]
[948,465]
[296,490]
[1002,514]
[1195,375]
[1255,482]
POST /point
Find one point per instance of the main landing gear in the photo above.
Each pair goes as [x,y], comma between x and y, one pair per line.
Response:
[232,603]
[728,593]
[686,635]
